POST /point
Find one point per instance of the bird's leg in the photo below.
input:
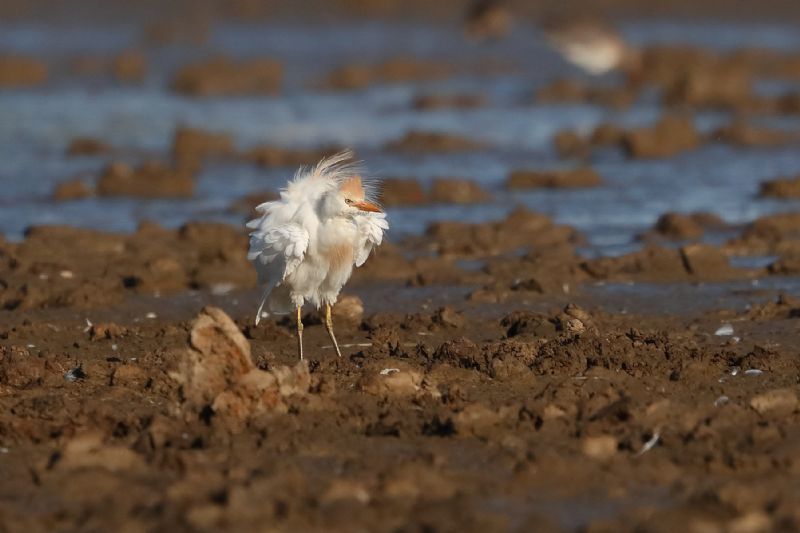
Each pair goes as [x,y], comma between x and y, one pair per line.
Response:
[329,327]
[300,331]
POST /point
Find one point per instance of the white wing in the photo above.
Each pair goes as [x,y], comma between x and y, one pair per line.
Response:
[276,252]
[370,234]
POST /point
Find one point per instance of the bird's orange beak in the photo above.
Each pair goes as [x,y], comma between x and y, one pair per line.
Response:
[367,206]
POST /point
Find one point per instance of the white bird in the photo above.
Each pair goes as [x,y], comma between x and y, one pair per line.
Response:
[305,245]
[592,45]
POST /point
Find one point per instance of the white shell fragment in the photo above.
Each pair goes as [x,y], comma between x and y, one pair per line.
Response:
[150,315]
[649,444]
[387,371]
[722,400]
[74,374]
[221,289]
[753,372]
[724,330]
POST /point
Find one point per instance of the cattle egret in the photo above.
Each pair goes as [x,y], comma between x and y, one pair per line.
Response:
[305,245]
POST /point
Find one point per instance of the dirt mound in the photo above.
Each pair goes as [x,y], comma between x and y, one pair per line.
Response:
[88,146]
[219,381]
[19,71]
[402,191]
[681,227]
[73,189]
[520,229]
[408,191]
[247,204]
[276,156]
[555,179]
[769,234]
[224,77]
[130,66]
[668,137]
[741,133]
[457,191]
[570,91]
[425,141]
[64,267]
[150,180]
[433,101]
[780,188]
[397,70]
[695,261]
[192,146]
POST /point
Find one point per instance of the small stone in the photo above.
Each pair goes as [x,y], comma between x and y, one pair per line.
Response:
[348,308]
[574,325]
[71,190]
[601,447]
[777,402]
[345,489]
[724,330]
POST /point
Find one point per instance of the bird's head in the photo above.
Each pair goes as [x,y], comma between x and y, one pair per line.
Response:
[348,199]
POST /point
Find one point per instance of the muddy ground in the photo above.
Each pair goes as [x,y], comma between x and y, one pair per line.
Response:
[139,396]
[493,378]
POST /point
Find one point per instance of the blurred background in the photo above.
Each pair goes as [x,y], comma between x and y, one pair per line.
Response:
[629,120]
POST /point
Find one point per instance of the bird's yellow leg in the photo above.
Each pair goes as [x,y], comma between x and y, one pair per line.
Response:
[329,327]
[300,331]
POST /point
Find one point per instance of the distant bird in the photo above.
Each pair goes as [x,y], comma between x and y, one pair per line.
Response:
[592,45]
[487,19]
[305,245]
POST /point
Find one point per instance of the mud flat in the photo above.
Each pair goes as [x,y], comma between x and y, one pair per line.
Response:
[156,408]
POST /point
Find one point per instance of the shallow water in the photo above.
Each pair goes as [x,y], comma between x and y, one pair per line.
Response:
[36,126]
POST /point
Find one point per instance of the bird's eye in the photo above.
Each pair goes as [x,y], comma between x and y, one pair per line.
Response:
[348,201]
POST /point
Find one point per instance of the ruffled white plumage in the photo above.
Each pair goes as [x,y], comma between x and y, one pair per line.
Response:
[284,241]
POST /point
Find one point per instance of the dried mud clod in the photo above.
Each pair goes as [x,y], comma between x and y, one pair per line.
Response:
[219,381]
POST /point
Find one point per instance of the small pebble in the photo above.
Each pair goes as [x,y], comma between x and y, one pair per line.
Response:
[74,374]
[150,315]
[66,274]
[387,371]
[753,372]
[221,289]
[722,400]
[724,330]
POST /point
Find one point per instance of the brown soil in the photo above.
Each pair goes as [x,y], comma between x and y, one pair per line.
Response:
[402,191]
[428,141]
[222,76]
[399,69]
[544,413]
[428,102]
[73,189]
[671,135]
[408,191]
[554,179]
[679,226]
[130,67]
[275,156]
[88,146]
[457,191]
[150,180]
[19,71]
[463,396]
[570,91]
[781,188]
[247,204]
[740,133]
[192,146]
